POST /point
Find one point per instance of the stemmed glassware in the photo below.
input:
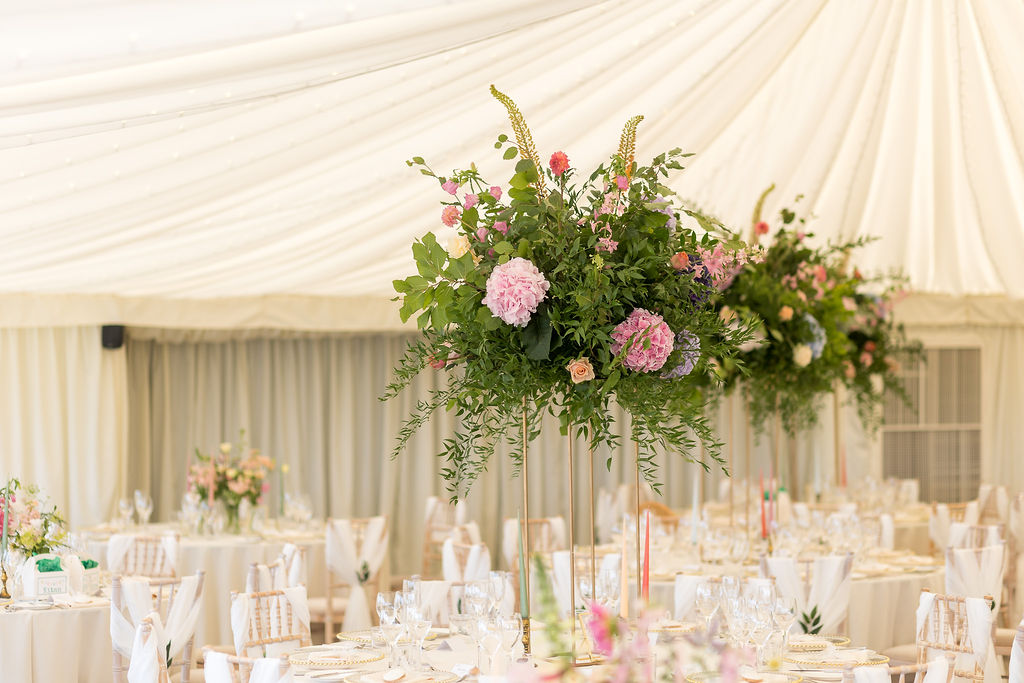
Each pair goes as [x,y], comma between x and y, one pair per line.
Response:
[491,638]
[784,615]
[390,628]
[418,624]
[125,511]
[496,584]
[707,601]
[476,605]
[511,632]
[143,506]
[609,588]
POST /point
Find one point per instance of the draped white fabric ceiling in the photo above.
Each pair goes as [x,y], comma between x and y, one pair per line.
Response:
[207,165]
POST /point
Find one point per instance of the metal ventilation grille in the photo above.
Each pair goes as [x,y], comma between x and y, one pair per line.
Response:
[937,438]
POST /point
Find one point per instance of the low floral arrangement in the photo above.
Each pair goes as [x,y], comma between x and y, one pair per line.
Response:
[563,294]
[233,474]
[31,526]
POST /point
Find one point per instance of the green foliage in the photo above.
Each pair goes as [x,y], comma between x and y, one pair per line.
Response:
[810,622]
[604,252]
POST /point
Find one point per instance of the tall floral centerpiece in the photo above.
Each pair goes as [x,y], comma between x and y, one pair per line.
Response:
[233,474]
[561,292]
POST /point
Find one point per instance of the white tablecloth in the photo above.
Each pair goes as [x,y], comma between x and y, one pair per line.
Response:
[57,645]
[226,560]
[882,609]
[912,536]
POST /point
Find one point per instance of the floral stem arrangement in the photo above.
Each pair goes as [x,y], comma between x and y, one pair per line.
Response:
[563,293]
[233,474]
[30,526]
[814,327]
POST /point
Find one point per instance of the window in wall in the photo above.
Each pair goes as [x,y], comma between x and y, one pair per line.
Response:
[937,438]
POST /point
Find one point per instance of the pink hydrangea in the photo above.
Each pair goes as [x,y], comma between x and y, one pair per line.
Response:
[647,339]
[451,215]
[514,290]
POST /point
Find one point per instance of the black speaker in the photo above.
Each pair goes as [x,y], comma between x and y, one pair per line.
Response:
[112,336]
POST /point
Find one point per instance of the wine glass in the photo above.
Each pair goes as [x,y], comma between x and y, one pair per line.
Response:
[784,614]
[390,629]
[457,616]
[496,589]
[707,601]
[475,606]
[609,589]
[419,626]
[143,506]
[125,510]
[491,638]
[511,632]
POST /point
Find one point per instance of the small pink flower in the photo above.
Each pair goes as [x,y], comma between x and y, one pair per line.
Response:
[820,274]
[491,253]
[800,235]
[481,234]
[870,346]
[451,187]
[866,359]
[265,488]
[800,295]
[622,182]
[501,226]
[606,244]
[680,260]
[437,363]
[496,192]
[470,201]
[761,228]
[849,370]
[451,215]
[559,163]
[849,304]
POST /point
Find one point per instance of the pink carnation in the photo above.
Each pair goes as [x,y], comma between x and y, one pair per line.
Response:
[646,337]
[496,192]
[514,291]
[761,228]
[501,226]
[451,215]
[471,201]
[451,187]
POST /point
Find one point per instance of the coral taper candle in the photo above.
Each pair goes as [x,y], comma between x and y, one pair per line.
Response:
[646,590]
[7,513]
[524,605]
[764,522]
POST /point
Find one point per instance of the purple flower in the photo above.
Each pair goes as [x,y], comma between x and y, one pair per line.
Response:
[690,344]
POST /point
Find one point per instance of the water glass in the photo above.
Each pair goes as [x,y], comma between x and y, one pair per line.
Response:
[496,586]
[458,617]
[707,601]
[125,510]
[143,506]
[491,638]
[418,626]
[511,632]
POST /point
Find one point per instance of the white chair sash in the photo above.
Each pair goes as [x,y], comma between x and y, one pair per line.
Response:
[787,579]
[976,572]
[144,666]
[980,616]
[478,563]
[972,513]
[1001,502]
[1017,656]
[217,669]
[138,598]
[294,564]
[560,580]
[241,609]
[887,532]
[346,562]
[119,545]
[938,526]
[830,591]
[434,600]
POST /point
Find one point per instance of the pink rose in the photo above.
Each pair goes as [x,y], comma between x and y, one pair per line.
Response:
[820,274]
[451,187]
[580,370]
[786,313]
[870,346]
[496,192]
[761,228]
[800,295]
[866,359]
[849,370]
[559,163]
[849,304]
[451,215]
[471,201]
[481,234]
[501,226]
[622,182]
[680,260]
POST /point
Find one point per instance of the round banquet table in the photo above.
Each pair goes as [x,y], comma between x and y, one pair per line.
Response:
[912,535]
[225,561]
[59,644]
[882,608]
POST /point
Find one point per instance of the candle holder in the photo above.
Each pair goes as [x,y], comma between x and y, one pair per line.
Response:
[4,595]
[526,635]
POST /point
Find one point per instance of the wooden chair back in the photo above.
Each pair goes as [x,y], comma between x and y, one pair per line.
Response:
[663,513]
[901,671]
[241,667]
[165,592]
[980,535]
[436,528]
[266,608]
[336,586]
[281,565]
[147,556]
[945,630]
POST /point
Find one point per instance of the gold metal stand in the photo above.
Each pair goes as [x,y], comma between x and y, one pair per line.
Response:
[572,547]
[4,595]
[732,471]
[525,531]
[639,575]
[593,528]
[836,438]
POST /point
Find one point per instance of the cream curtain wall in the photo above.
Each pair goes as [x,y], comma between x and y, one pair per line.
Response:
[62,407]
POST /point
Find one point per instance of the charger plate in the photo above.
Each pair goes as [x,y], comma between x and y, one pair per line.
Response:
[716,677]
[367,635]
[432,677]
[817,643]
[874,659]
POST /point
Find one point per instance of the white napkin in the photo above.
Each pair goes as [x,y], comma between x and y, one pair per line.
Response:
[887,535]
[938,526]
[686,594]
[138,598]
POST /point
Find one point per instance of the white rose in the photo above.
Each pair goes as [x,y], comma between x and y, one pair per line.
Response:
[457,246]
[225,448]
[802,355]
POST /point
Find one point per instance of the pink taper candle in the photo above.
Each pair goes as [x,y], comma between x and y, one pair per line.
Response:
[764,522]
[646,591]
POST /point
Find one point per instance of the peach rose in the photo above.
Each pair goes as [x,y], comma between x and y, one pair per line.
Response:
[850,370]
[680,260]
[580,370]
[458,246]
[786,313]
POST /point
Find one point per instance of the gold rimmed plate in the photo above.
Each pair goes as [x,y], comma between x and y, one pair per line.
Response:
[759,677]
[410,677]
[817,643]
[368,635]
[811,662]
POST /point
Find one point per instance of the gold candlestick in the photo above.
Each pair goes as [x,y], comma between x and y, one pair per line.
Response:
[4,595]
[525,531]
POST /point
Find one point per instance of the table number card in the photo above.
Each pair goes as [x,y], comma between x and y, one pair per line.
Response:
[52,583]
